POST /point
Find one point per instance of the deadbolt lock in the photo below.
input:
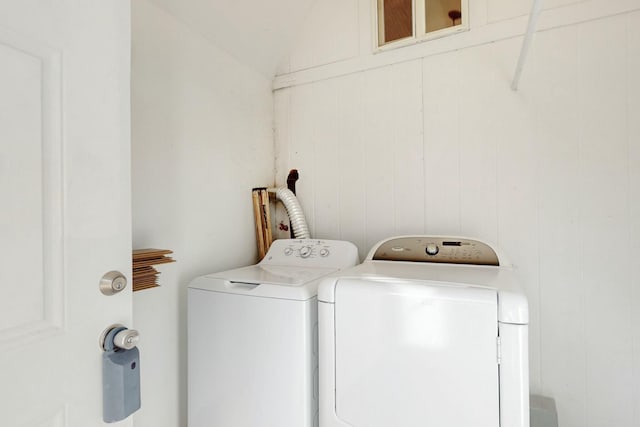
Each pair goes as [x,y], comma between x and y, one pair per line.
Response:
[112,283]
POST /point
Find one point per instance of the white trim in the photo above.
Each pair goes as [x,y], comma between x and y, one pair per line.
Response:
[419,24]
[379,23]
[466,12]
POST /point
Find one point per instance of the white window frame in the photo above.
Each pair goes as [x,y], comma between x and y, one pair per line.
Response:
[419,26]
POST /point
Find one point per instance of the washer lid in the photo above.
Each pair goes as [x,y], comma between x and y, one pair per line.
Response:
[267,281]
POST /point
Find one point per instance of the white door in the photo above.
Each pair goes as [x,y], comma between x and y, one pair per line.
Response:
[64,204]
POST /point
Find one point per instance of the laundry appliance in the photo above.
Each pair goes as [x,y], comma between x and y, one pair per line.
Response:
[252,337]
[427,331]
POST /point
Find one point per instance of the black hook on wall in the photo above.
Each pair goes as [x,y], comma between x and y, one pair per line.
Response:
[291,185]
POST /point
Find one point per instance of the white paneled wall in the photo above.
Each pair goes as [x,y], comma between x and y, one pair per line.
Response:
[551,173]
[201,139]
[499,10]
[321,40]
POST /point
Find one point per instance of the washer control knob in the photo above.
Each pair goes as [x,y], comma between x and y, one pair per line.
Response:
[288,251]
[432,249]
[305,251]
[324,252]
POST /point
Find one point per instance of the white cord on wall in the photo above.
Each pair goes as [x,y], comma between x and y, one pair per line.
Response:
[536,8]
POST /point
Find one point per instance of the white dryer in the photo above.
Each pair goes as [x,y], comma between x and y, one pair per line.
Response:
[428,331]
[252,338]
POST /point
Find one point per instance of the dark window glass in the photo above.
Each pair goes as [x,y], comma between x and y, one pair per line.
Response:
[395,20]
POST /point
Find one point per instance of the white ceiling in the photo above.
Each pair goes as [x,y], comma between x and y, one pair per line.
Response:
[258,33]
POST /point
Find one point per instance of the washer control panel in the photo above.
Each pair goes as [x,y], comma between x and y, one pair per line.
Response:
[436,249]
[312,253]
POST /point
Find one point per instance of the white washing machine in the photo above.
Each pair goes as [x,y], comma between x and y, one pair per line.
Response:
[427,331]
[252,338]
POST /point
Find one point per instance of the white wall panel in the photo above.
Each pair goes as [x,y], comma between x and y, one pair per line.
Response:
[479,124]
[330,36]
[326,172]
[391,127]
[554,64]
[258,33]
[408,146]
[282,124]
[517,186]
[499,10]
[377,129]
[442,102]
[604,214]
[550,173]
[301,148]
[352,162]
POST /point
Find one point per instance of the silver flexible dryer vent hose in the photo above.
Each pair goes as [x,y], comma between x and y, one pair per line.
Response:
[294,210]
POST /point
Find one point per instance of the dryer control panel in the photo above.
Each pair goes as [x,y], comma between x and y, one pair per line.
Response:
[437,249]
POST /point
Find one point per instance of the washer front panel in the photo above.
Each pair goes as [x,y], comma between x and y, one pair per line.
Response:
[252,361]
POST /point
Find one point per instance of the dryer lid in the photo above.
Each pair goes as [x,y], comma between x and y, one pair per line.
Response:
[512,303]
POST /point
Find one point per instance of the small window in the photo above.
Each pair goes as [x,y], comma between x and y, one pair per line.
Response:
[414,20]
[395,20]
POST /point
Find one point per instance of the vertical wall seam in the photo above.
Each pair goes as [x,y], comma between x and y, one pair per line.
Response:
[395,138]
[459,137]
[289,128]
[365,162]
[340,109]
[580,220]
[314,174]
[361,145]
[496,168]
[536,147]
[533,61]
[630,212]
[424,150]
[274,137]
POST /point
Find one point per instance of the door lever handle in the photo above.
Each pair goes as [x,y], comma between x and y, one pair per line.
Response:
[126,339]
[118,337]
